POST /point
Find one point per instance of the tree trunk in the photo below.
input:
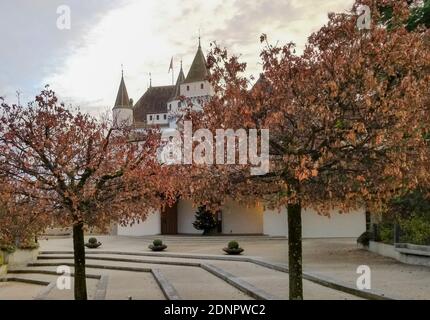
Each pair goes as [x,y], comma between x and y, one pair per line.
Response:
[79,254]
[295,251]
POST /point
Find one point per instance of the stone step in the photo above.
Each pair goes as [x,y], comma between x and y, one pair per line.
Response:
[262,278]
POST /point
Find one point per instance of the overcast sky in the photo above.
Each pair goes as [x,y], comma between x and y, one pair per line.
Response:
[83,64]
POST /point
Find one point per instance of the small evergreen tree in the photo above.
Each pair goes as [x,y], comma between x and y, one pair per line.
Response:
[205,220]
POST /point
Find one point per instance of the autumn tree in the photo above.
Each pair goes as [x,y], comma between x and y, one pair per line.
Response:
[346,119]
[419,16]
[20,218]
[81,171]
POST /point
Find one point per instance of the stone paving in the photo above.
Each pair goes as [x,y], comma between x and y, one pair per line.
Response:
[18,291]
[337,258]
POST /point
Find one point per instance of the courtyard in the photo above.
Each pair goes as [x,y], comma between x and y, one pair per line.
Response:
[195,267]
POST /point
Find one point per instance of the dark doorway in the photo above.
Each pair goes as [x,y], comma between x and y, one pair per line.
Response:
[219,219]
[169,220]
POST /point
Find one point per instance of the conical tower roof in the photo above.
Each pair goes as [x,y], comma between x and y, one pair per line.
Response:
[181,79]
[198,71]
[122,99]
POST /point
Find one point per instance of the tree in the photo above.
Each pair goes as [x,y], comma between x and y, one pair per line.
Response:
[19,218]
[346,120]
[80,171]
[417,17]
[205,220]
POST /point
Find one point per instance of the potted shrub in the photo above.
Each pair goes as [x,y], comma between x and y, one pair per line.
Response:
[157,245]
[233,248]
[93,243]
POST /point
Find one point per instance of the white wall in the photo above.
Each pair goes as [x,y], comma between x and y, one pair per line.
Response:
[154,120]
[195,89]
[122,116]
[237,219]
[151,226]
[275,222]
[186,217]
[351,224]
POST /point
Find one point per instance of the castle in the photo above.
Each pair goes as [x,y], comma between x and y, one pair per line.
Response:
[160,106]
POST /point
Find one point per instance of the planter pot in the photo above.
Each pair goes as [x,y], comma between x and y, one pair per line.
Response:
[93,245]
[157,248]
[233,251]
[211,232]
[21,257]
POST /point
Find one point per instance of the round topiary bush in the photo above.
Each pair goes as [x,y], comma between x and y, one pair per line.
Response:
[157,242]
[157,245]
[233,245]
[233,248]
[93,243]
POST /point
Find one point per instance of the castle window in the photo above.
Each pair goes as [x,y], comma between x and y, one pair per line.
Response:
[202,86]
[150,118]
[158,117]
[165,117]
[188,88]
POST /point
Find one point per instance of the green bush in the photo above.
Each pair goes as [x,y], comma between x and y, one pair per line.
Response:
[386,232]
[416,230]
[233,245]
[365,238]
[205,220]
[29,246]
[157,242]
[92,240]
[7,248]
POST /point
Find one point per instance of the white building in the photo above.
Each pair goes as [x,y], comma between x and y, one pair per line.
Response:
[160,106]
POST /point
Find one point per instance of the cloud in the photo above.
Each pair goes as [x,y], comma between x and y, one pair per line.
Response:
[84,64]
[33,46]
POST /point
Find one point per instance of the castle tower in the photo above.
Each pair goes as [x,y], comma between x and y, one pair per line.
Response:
[196,85]
[123,108]
[174,103]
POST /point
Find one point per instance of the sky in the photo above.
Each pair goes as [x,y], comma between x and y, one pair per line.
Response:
[83,63]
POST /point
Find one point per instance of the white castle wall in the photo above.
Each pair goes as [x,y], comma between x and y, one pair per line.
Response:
[123,116]
[194,89]
[162,118]
[347,225]
[238,219]
[151,226]
[186,217]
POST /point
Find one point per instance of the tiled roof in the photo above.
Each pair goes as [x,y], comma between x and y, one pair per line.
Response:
[177,92]
[153,101]
[198,70]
